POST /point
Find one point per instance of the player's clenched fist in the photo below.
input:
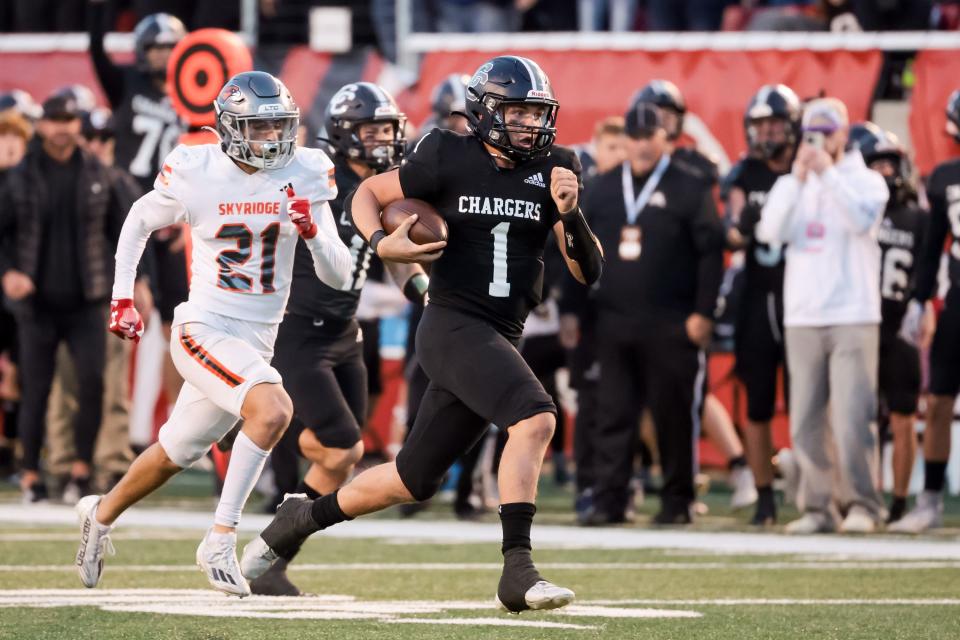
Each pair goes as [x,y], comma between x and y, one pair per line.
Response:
[299,211]
[125,320]
[564,187]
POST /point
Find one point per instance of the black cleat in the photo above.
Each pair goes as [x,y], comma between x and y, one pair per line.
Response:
[275,582]
[282,538]
[521,586]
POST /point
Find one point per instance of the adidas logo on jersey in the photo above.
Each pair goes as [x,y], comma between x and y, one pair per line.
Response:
[536,180]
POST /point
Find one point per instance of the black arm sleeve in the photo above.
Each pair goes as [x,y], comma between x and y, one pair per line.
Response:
[937,229]
[109,74]
[707,233]
[582,245]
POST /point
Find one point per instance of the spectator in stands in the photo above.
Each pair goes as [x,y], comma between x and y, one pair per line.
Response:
[828,211]
[685,15]
[112,454]
[55,260]
[477,16]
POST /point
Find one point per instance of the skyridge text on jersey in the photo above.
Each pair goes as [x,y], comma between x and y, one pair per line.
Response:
[249,208]
[499,207]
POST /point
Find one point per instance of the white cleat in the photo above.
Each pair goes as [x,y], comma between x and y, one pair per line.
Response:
[257,558]
[94,542]
[744,488]
[927,514]
[217,556]
[858,521]
[542,595]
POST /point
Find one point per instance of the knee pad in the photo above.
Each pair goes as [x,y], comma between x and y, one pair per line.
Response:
[421,481]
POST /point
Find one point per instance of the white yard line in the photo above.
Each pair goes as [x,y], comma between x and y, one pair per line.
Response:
[544,536]
[548,566]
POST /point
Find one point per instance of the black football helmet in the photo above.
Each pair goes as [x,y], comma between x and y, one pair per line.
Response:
[953,115]
[663,94]
[511,80]
[156,30]
[359,103]
[874,143]
[772,101]
[449,96]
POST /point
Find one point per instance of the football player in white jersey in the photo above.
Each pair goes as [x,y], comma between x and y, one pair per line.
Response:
[246,201]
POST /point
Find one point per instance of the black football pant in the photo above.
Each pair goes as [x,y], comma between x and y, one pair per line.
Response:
[40,333]
[647,360]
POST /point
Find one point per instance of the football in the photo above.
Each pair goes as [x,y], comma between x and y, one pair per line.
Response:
[429,227]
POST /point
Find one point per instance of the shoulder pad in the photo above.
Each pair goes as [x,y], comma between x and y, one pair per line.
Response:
[314,160]
[186,157]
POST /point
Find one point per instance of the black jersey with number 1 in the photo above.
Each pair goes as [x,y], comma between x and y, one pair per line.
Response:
[311,297]
[498,219]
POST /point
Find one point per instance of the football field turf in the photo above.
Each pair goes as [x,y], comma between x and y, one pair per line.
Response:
[434,578]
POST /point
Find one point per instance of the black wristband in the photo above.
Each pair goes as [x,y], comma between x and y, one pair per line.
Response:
[415,289]
[375,239]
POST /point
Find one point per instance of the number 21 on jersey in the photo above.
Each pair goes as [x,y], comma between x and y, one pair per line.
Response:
[230,259]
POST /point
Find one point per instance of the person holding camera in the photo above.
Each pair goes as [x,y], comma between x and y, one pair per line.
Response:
[827,211]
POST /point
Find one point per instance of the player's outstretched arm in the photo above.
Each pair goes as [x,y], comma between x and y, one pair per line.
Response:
[153,211]
[364,207]
[581,249]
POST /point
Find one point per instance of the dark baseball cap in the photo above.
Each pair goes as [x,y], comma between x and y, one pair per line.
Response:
[61,106]
[643,120]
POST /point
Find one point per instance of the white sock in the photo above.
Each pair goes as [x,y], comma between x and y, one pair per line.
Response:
[246,463]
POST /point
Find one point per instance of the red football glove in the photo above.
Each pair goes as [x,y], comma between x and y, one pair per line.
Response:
[299,211]
[125,320]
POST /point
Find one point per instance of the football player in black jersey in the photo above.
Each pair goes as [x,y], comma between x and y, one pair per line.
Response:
[319,348]
[673,109]
[901,237]
[943,192]
[448,102]
[501,190]
[147,128]
[772,125]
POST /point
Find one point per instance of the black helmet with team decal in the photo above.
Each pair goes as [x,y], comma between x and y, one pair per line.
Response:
[772,101]
[360,103]
[511,80]
[449,96]
[254,109]
[874,144]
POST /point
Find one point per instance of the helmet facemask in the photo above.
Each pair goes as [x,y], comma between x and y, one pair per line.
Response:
[504,130]
[248,139]
[770,149]
[379,155]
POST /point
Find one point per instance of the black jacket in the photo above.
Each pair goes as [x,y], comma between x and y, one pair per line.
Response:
[102,205]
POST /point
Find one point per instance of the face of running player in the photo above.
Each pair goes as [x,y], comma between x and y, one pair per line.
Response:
[610,150]
[12,150]
[645,149]
[157,57]
[377,138]
[60,134]
[262,130]
[519,114]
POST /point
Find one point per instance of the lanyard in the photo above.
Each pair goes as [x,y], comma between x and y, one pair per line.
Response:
[635,206]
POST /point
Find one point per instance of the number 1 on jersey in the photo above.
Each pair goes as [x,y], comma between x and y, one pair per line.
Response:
[500,287]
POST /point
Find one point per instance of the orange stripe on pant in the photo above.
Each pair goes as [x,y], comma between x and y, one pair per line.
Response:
[206,360]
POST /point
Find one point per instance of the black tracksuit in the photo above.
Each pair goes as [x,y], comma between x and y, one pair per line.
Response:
[643,302]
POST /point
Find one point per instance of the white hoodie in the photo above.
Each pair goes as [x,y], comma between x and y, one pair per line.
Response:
[829,224]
